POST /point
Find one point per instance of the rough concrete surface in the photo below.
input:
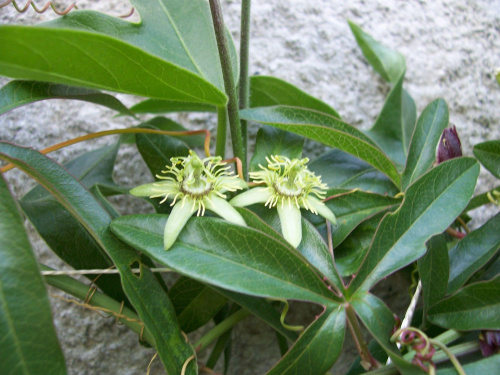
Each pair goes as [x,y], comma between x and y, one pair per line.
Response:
[451,47]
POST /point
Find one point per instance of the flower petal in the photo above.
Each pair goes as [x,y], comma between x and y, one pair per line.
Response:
[155,188]
[291,223]
[179,216]
[222,208]
[252,196]
[322,209]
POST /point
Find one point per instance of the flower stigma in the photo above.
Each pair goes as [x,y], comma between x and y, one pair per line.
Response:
[290,186]
[194,185]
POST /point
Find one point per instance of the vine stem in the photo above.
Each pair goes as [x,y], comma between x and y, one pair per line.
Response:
[219,329]
[367,361]
[244,84]
[101,301]
[229,85]
[220,142]
[88,137]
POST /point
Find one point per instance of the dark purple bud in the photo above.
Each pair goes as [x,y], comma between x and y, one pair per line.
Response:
[489,342]
[449,145]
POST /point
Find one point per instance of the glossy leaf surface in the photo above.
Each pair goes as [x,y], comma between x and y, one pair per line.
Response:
[349,255]
[156,150]
[239,259]
[43,54]
[388,63]
[488,153]
[317,348]
[195,304]
[18,93]
[260,308]
[476,306]
[433,269]
[312,246]
[351,207]
[143,291]
[422,153]
[327,130]
[488,365]
[167,106]
[437,197]
[173,30]
[272,141]
[380,322]
[341,170]
[472,252]
[71,242]
[28,341]
[268,91]
[394,125]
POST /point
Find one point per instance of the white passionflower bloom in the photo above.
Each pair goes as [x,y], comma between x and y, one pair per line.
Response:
[194,185]
[289,187]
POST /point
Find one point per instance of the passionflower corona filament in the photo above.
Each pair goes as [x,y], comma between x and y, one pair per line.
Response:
[290,186]
[194,185]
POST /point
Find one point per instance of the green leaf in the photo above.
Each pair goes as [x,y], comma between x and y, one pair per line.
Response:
[146,295]
[268,91]
[422,153]
[49,54]
[18,93]
[317,348]
[436,198]
[350,208]
[474,307]
[260,308]
[341,170]
[195,304]
[376,351]
[156,150]
[67,238]
[488,154]
[489,365]
[271,141]
[473,252]
[327,130]
[173,30]
[394,126]
[351,252]
[228,256]
[168,106]
[312,245]
[29,342]
[388,63]
[433,269]
[380,322]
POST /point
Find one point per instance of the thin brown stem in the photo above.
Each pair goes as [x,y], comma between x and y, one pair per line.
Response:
[87,137]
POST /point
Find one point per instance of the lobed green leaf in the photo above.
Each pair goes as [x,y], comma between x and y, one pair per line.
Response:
[143,291]
[430,205]
[327,130]
[422,153]
[474,307]
[228,256]
[317,348]
[473,252]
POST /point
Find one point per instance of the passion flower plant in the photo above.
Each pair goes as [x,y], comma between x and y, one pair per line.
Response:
[290,186]
[195,185]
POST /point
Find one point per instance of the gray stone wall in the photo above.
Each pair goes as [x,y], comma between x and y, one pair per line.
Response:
[451,47]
